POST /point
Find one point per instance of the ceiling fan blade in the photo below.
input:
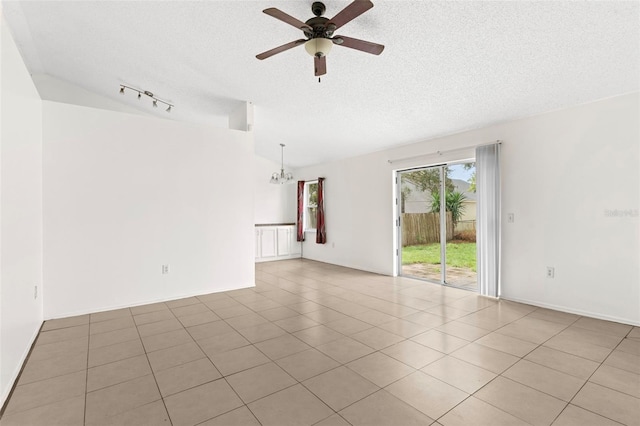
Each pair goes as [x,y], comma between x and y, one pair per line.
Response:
[352,11]
[362,45]
[278,14]
[320,63]
[269,53]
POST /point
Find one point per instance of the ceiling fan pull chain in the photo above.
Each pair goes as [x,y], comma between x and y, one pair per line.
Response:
[318,79]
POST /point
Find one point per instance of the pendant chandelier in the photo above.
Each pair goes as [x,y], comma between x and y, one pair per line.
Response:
[281,177]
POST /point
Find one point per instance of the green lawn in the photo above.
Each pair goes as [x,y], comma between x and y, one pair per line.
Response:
[460,255]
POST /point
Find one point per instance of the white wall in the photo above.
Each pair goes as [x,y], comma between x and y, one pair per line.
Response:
[125,194]
[560,172]
[20,212]
[273,203]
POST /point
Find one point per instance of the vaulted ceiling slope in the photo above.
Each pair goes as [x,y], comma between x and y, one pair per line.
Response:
[447,66]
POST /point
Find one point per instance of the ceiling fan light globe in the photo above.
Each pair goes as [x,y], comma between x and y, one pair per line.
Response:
[318,46]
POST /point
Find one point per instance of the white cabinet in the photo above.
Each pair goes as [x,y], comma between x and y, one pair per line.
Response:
[276,242]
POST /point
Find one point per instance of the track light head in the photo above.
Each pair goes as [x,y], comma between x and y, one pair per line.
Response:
[169,109]
[155,103]
[139,95]
[122,90]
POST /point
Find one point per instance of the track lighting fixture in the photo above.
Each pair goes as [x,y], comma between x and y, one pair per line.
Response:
[149,94]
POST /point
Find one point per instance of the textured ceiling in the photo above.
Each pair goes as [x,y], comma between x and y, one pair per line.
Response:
[447,66]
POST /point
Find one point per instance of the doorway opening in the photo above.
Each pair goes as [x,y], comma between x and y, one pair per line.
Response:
[435,246]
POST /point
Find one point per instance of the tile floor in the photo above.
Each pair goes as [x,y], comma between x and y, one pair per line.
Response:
[317,344]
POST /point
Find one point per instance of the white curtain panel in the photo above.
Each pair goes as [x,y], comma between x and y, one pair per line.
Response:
[488,219]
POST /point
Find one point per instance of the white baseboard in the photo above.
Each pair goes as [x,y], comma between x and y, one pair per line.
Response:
[140,303]
[16,372]
[590,314]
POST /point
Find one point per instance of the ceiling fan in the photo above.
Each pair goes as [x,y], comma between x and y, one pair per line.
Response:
[318,32]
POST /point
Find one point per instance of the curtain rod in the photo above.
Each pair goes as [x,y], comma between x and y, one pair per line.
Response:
[397,160]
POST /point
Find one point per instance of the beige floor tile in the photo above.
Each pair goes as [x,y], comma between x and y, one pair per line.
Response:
[110,325]
[216,305]
[53,350]
[53,367]
[113,337]
[426,319]
[49,391]
[318,335]
[460,374]
[340,387]
[463,330]
[261,332]
[305,307]
[380,369]
[624,360]
[152,414]
[324,315]
[592,337]
[151,317]
[634,333]
[382,408]
[521,401]
[609,403]
[617,379]
[159,327]
[120,398]
[576,416]
[345,350]
[186,376]
[281,312]
[201,403]
[117,352]
[527,333]
[166,340]
[510,345]
[413,354]
[188,310]
[282,346]
[172,304]
[377,338]
[210,329]
[487,358]
[152,307]
[61,334]
[296,323]
[427,394]
[174,356]
[294,406]
[579,348]
[439,341]
[602,326]
[403,328]
[553,382]
[65,322]
[239,359]
[348,326]
[199,318]
[374,317]
[306,364]
[222,343]
[107,315]
[447,312]
[232,311]
[238,417]
[562,361]
[258,382]
[244,321]
[68,412]
[117,372]
[554,316]
[631,346]
[473,411]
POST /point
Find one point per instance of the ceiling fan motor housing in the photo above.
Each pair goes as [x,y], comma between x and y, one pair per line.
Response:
[318,8]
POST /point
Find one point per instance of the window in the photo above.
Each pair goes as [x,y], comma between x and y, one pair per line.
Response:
[310,205]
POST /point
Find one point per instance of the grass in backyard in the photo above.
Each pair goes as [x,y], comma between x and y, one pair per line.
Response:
[459,255]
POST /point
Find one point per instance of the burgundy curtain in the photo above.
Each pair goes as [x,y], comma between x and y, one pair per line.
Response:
[300,224]
[321,233]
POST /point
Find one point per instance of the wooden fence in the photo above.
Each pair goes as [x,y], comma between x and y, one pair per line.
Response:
[423,228]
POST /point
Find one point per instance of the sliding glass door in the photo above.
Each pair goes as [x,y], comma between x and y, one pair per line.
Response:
[437,232]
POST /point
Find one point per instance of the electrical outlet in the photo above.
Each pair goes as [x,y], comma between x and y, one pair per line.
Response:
[165,269]
[511,217]
[550,271]
[35,292]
